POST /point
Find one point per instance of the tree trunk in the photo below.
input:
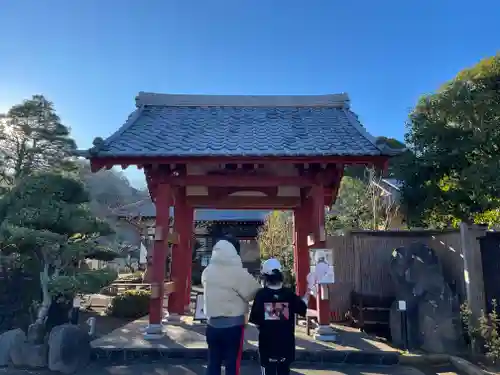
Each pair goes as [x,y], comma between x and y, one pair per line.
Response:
[43,310]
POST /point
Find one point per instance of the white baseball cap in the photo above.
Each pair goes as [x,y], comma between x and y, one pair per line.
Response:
[269,265]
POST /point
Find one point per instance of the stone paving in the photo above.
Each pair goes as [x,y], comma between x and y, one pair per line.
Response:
[190,334]
[199,369]
[185,339]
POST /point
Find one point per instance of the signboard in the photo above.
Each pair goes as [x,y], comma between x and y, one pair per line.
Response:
[199,313]
[316,254]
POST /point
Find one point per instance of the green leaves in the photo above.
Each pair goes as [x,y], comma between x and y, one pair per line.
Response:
[83,282]
[352,209]
[32,138]
[25,240]
[455,139]
[275,238]
[363,203]
[46,216]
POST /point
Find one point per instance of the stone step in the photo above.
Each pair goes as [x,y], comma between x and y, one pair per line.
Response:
[125,356]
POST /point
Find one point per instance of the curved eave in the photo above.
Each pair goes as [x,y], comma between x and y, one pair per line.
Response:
[99,162]
[391,152]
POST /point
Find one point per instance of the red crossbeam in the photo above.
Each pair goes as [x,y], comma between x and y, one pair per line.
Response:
[235,202]
[238,181]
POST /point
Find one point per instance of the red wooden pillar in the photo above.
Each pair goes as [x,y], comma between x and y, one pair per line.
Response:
[324,332]
[178,266]
[189,255]
[159,258]
[301,263]
[319,238]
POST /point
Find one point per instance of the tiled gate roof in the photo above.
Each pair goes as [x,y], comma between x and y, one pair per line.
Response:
[209,125]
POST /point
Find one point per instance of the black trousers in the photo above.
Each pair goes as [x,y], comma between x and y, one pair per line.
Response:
[275,368]
[225,346]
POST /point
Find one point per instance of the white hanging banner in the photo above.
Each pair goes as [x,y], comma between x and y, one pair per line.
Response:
[143,254]
[199,310]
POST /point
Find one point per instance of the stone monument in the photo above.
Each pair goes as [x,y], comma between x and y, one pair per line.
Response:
[433,312]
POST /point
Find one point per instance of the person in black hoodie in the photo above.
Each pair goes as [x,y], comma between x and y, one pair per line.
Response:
[273,312]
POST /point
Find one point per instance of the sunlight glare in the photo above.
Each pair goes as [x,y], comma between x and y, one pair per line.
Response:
[5,125]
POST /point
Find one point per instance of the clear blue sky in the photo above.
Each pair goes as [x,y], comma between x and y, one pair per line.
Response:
[92,57]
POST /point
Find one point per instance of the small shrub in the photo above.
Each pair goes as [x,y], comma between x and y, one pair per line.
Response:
[470,329]
[132,304]
[484,334]
[489,327]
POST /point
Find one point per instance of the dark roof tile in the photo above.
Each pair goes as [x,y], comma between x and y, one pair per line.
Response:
[172,125]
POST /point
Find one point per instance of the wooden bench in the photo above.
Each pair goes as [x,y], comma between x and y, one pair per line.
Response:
[311,315]
[118,288]
[371,314]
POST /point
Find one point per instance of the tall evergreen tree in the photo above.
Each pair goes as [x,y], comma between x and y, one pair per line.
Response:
[32,138]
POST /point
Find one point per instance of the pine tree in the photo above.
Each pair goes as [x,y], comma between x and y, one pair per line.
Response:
[32,138]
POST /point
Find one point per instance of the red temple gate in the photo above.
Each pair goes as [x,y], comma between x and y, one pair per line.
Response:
[237,152]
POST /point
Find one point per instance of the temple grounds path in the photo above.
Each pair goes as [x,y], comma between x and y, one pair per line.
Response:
[199,369]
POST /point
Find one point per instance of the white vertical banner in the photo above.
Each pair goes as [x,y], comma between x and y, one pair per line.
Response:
[143,253]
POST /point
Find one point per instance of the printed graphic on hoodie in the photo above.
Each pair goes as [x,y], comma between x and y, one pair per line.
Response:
[276,311]
[273,312]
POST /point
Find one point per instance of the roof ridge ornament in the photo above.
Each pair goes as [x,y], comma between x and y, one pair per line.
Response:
[187,100]
[388,150]
[98,145]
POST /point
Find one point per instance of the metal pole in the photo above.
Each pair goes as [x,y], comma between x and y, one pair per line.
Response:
[404,323]
[404,329]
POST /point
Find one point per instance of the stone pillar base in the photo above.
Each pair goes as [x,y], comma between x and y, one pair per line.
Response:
[174,318]
[153,332]
[325,333]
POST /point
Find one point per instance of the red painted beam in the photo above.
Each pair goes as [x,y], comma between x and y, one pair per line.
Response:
[243,181]
[220,192]
[235,202]
[98,163]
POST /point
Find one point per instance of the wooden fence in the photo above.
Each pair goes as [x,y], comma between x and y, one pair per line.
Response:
[362,262]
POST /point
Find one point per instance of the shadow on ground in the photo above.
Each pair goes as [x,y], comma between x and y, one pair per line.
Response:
[199,369]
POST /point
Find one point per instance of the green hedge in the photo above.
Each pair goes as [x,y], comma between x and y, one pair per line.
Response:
[132,304]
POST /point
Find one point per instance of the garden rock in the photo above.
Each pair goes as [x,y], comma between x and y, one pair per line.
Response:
[35,355]
[16,350]
[7,340]
[440,326]
[69,348]
[433,313]
[36,334]
[25,354]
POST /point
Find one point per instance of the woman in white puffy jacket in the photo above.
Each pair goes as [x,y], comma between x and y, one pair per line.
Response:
[228,288]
